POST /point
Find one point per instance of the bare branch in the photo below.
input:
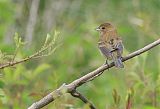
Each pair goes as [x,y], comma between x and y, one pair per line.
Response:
[78,82]
[49,98]
[77,94]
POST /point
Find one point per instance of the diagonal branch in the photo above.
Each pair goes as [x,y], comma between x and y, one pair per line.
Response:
[36,55]
[12,63]
[78,82]
[77,94]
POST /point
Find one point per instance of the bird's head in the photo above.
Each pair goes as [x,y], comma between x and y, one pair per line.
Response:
[105,27]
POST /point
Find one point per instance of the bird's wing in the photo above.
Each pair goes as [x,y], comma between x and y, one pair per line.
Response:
[117,53]
[104,50]
[119,47]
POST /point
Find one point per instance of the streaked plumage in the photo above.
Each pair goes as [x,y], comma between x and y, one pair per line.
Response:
[110,44]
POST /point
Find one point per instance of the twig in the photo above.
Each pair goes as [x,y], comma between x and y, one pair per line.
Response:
[8,64]
[36,55]
[77,94]
[15,53]
[78,82]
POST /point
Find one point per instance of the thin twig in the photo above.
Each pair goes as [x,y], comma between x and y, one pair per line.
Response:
[8,64]
[15,53]
[36,55]
[78,82]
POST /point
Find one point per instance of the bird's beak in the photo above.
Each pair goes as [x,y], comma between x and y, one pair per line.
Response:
[98,29]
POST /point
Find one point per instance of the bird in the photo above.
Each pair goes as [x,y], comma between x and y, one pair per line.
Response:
[110,44]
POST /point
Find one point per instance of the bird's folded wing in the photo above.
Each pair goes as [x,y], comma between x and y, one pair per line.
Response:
[105,51]
[119,47]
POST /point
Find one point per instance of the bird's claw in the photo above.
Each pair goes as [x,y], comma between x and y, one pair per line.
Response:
[106,63]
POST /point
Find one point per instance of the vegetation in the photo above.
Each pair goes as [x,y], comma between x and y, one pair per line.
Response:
[138,24]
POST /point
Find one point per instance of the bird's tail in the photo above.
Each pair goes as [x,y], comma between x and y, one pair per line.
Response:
[118,62]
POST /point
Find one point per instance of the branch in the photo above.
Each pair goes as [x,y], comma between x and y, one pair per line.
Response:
[35,55]
[49,98]
[12,63]
[78,82]
[77,94]
[47,49]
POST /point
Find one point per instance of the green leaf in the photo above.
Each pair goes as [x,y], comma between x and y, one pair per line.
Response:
[47,40]
[56,33]
[16,39]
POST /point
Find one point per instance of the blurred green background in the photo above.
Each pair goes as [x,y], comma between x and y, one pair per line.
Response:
[138,23]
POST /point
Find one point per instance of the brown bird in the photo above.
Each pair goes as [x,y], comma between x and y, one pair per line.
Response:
[110,44]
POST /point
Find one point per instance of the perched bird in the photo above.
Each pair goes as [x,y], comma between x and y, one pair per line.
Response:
[110,44]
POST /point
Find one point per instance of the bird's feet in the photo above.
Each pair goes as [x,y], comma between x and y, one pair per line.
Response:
[106,63]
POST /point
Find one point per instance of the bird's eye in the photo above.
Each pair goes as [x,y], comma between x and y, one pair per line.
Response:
[103,28]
